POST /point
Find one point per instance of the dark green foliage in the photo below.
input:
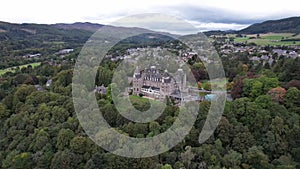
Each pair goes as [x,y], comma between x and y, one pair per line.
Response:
[39,129]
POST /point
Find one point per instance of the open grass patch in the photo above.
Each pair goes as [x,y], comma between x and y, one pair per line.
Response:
[270,39]
[13,69]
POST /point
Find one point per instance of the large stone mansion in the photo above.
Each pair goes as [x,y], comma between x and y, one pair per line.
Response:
[157,84]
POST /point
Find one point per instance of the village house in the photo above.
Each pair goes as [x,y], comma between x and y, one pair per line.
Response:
[100,89]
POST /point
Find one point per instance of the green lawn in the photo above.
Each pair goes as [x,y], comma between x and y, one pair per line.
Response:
[241,39]
[140,103]
[270,39]
[13,69]
[138,99]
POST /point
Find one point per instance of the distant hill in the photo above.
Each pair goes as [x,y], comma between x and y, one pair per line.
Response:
[19,39]
[214,32]
[286,25]
[22,39]
[290,25]
[218,32]
[38,31]
[79,25]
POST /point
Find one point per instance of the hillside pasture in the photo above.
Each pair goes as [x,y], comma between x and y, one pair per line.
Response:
[270,39]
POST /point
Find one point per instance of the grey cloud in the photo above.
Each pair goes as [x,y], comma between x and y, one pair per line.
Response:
[201,15]
[213,15]
[219,15]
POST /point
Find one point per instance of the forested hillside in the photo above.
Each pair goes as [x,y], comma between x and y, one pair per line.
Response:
[287,25]
[20,39]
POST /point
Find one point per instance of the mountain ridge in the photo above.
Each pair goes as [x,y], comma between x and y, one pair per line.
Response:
[88,26]
[285,25]
[290,25]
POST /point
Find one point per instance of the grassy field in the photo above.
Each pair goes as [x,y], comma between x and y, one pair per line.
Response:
[13,69]
[270,39]
[138,99]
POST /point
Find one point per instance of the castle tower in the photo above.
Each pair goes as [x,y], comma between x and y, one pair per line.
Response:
[137,81]
[181,80]
[137,70]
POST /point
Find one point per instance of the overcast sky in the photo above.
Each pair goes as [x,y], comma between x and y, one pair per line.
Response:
[204,14]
